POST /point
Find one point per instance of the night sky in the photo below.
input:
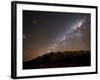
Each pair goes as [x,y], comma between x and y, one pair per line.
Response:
[45,32]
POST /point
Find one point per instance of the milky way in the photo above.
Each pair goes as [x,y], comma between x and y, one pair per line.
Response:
[45,32]
[69,35]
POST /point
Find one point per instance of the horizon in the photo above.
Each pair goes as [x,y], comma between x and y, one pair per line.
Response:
[45,32]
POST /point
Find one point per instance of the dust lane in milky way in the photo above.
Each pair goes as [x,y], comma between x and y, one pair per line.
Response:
[44,31]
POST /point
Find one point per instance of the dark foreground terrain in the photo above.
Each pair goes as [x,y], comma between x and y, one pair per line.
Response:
[60,59]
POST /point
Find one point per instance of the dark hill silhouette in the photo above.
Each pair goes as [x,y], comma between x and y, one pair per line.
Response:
[59,59]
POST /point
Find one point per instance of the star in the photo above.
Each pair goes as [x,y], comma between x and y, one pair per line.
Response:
[34,22]
[24,37]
